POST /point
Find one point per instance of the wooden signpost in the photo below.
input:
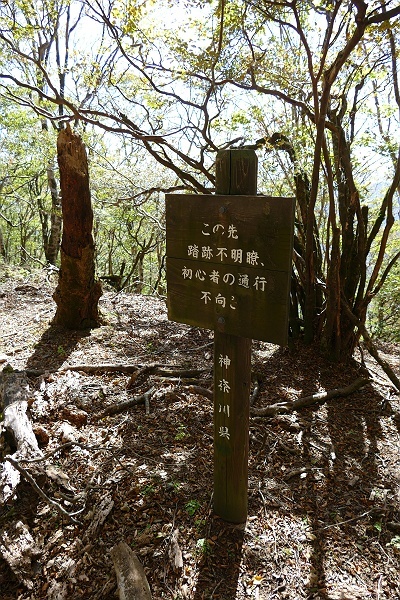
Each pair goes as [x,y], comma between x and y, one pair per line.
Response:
[228,269]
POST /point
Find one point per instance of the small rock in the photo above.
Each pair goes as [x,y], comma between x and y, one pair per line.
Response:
[68,433]
[42,435]
[75,416]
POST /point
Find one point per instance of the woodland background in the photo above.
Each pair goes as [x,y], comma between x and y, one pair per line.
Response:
[156,88]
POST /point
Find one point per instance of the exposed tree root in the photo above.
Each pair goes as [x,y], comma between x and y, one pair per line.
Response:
[137,370]
[173,371]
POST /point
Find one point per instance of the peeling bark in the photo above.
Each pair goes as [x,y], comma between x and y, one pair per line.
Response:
[19,550]
[53,240]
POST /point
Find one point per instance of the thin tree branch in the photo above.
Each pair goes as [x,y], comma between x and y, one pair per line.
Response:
[370,345]
[53,503]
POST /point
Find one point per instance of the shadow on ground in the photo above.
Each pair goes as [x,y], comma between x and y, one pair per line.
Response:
[323,483]
[219,569]
[54,347]
[326,460]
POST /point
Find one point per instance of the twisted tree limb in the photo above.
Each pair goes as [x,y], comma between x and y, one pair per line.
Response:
[370,346]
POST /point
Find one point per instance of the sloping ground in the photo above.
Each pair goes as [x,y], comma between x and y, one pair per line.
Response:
[324,484]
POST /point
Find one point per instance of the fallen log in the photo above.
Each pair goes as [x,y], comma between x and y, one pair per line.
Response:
[286,407]
[20,551]
[198,389]
[137,370]
[17,546]
[131,578]
[15,428]
[102,368]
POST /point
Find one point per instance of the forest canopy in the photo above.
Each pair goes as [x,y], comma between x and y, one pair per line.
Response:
[157,88]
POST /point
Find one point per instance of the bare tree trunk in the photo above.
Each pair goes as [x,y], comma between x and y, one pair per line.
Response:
[139,285]
[2,246]
[78,292]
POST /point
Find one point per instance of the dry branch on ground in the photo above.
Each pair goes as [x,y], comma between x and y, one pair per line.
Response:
[307,401]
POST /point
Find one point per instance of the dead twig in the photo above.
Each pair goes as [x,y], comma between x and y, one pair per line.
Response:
[378,587]
[52,503]
[111,450]
[51,453]
[256,391]
[108,588]
[65,447]
[208,345]
[197,389]
[102,368]
[138,373]
[357,518]
[370,346]
[262,498]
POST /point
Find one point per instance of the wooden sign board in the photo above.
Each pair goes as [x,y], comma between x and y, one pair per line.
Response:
[229,263]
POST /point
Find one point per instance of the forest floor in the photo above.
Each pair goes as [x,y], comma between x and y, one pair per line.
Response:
[324,483]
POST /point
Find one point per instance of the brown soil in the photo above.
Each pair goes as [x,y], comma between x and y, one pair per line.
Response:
[324,483]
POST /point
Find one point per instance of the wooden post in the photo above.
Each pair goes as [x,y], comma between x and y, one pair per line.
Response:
[228,269]
[236,173]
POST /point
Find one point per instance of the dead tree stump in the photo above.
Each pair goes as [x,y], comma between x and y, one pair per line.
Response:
[78,292]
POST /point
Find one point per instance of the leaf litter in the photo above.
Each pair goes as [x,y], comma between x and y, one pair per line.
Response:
[324,483]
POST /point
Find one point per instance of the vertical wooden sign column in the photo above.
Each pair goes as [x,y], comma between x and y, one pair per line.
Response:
[228,269]
[236,174]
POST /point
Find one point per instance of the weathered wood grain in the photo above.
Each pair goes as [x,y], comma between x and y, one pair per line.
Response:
[259,314]
[231,425]
[229,263]
[132,580]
